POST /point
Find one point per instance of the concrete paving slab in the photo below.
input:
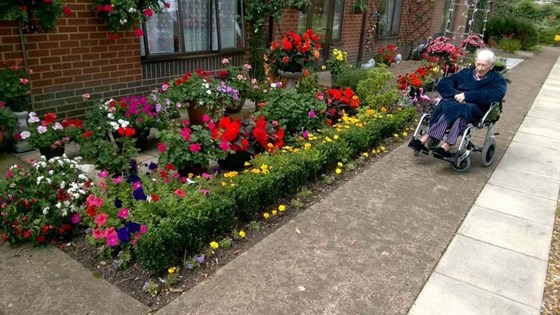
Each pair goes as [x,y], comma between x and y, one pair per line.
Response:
[547,101]
[535,166]
[51,282]
[540,131]
[507,231]
[495,269]
[554,117]
[443,296]
[524,182]
[545,123]
[544,155]
[527,206]
[537,141]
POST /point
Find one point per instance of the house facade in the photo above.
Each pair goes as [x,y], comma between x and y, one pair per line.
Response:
[77,57]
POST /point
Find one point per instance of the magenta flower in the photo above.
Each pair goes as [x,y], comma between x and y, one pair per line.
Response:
[311,114]
[100,219]
[103,174]
[123,213]
[206,118]
[186,133]
[224,145]
[98,234]
[118,180]
[161,147]
[195,147]
[94,201]
[76,218]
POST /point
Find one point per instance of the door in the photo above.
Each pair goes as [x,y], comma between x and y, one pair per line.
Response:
[324,17]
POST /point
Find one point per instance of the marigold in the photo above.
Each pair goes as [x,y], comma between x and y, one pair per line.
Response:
[266,215]
[338,171]
[214,245]
[242,234]
[282,208]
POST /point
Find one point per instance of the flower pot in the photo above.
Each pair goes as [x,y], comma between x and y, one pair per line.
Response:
[291,76]
[196,112]
[20,146]
[49,153]
[235,161]
[195,169]
[237,107]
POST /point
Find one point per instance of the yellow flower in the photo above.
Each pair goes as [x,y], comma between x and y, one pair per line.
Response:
[328,139]
[339,57]
[370,112]
[274,212]
[365,154]
[396,135]
[172,270]
[270,145]
[335,137]
[296,150]
[404,134]
[190,175]
[224,184]
[282,208]
[323,67]
[232,185]
[266,215]
[242,234]
[247,164]
[214,245]
[382,149]
[340,164]
[307,146]
[384,109]
[338,171]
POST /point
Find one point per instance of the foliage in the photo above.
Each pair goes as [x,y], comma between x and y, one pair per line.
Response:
[7,120]
[359,6]
[14,84]
[515,27]
[295,112]
[472,43]
[350,77]
[336,63]
[185,146]
[47,12]
[198,88]
[126,15]
[44,203]
[44,134]
[386,55]
[378,90]
[308,83]
[294,52]
[253,135]
[339,102]
[509,44]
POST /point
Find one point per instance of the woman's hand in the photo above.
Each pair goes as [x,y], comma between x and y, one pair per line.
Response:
[460,97]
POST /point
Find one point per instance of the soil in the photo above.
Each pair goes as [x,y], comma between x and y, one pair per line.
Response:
[551,296]
[133,279]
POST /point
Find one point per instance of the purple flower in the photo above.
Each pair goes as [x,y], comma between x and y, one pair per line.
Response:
[311,114]
[153,166]
[75,219]
[118,203]
[139,194]
[190,266]
[200,259]
[123,234]
[133,178]
[305,134]
[132,227]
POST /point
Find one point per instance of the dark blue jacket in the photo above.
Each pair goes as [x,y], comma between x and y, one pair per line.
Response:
[479,94]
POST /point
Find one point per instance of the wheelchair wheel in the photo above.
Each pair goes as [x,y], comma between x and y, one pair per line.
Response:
[462,166]
[487,154]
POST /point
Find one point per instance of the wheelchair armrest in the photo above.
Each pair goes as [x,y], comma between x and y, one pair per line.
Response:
[493,113]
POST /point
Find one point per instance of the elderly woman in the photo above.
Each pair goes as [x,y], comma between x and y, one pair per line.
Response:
[466,96]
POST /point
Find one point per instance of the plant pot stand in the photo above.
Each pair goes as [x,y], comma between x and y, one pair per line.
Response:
[292,77]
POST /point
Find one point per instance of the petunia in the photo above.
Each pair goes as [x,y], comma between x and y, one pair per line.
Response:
[118,180]
[76,218]
[103,174]
[98,234]
[123,213]
[195,147]
[139,194]
[101,219]
[123,234]
[161,147]
[118,203]
[179,192]
[133,227]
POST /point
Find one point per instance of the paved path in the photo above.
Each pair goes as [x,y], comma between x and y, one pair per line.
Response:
[368,248]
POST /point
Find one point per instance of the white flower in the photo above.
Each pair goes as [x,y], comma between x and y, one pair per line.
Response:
[62,184]
[114,125]
[123,21]
[111,116]
[57,126]
[131,10]
[208,92]
[83,177]
[58,205]
[33,119]
[39,179]
[25,134]
[41,129]
[46,210]
[51,172]
[64,212]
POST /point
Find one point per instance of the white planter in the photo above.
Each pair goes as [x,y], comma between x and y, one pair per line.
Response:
[20,146]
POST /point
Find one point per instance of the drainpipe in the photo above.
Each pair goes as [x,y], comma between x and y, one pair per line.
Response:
[362,38]
[25,64]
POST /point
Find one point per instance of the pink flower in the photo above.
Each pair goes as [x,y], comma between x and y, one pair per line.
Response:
[138,32]
[123,213]
[211,126]
[113,240]
[118,180]
[205,192]
[24,81]
[94,201]
[224,146]
[100,219]
[103,174]
[136,185]
[186,134]
[225,61]
[161,147]
[98,234]
[179,192]
[85,96]
[148,12]
[164,86]
[76,218]
[195,147]
[206,118]
[67,11]
[143,229]
[311,114]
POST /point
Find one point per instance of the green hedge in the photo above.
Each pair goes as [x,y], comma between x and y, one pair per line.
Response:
[189,225]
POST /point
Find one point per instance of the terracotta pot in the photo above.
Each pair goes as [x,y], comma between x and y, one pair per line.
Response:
[238,106]
[196,112]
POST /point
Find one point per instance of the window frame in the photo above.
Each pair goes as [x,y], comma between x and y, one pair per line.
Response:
[214,15]
[390,22]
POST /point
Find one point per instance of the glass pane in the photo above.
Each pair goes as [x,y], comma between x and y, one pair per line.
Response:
[163,31]
[383,24]
[231,24]
[320,7]
[337,19]
[196,20]
[396,17]
[301,22]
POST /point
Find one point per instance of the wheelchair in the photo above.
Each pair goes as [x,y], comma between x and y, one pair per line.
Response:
[461,160]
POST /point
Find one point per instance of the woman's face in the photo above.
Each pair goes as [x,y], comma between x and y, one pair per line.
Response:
[482,67]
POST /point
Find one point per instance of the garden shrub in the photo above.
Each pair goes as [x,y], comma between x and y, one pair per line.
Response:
[350,77]
[160,246]
[509,45]
[379,89]
[292,111]
[519,28]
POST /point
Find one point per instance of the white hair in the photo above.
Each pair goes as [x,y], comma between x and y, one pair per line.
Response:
[486,55]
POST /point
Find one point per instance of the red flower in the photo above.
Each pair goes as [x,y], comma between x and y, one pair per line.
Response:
[87,134]
[49,118]
[126,132]
[155,198]
[67,11]
[285,59]
[138,32]
[286,44]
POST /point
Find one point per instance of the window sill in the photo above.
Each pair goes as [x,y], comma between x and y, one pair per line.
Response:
[182,56]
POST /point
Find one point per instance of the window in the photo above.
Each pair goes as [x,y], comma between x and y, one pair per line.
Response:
[389,17]
[317,15]
[190,26]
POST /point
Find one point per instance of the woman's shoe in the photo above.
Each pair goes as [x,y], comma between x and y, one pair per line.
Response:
[441,152]
[417,145]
